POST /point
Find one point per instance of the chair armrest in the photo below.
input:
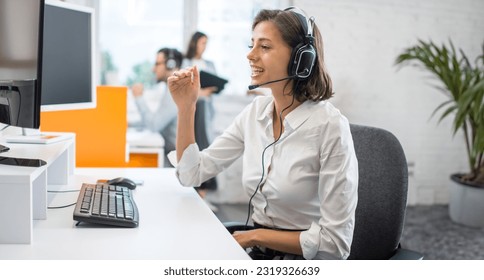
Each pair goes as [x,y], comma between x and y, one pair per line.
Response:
[405,254]
[236,226]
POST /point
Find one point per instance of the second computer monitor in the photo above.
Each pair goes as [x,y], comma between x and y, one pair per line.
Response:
[68,57]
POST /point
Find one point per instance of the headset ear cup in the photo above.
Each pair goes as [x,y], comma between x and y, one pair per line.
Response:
[170,64]
[302,61]
[293,62]
[306,62]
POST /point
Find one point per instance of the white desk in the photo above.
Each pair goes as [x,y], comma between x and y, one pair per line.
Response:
[175,224]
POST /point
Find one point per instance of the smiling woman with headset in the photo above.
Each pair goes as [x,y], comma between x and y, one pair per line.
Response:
[299,163]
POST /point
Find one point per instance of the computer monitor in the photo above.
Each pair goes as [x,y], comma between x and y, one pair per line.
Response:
[66,65]
[20,61]
[68,57]
[21,24]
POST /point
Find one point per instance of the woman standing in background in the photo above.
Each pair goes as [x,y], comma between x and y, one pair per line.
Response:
[194,57]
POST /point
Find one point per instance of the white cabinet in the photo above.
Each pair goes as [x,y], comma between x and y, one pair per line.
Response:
[23,190]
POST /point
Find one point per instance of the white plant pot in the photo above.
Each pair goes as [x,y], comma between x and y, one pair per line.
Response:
[466,205]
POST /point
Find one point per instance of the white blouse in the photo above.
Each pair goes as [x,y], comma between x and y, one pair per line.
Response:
[310,175]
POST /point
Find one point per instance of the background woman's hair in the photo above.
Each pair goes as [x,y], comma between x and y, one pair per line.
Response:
[318,86]
[192,45]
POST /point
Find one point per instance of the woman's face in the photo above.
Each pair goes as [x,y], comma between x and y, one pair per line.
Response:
[269,55]
[201,45]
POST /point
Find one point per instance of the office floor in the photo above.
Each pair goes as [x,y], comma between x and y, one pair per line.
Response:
[428,230]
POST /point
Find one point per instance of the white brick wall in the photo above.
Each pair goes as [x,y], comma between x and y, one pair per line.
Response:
[362,40]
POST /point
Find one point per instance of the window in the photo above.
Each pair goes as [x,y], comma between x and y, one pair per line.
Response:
[131,32]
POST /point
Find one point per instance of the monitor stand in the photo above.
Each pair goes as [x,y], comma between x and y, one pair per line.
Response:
[34,136]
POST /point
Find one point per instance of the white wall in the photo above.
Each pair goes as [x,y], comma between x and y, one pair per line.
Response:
[362,40]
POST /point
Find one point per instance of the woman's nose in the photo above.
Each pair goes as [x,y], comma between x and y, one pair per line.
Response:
[251,55]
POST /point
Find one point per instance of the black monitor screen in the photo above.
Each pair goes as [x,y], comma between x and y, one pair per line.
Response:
[20,38]
[67,69]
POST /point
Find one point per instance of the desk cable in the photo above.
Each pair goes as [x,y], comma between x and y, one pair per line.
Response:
[62,206]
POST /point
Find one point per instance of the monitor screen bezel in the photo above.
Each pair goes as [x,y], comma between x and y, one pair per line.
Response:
[79,105]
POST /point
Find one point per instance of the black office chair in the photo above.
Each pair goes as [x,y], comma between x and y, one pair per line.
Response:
[382,196]
[202,135]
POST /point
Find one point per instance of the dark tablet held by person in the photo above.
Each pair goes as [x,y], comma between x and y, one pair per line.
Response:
[210,80]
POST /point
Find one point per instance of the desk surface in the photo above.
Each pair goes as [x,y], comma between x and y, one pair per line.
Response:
[175,224]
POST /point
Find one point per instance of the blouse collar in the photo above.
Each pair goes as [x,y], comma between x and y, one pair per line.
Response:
[295,118]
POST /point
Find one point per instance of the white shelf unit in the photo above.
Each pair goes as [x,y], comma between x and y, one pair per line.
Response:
[23,190]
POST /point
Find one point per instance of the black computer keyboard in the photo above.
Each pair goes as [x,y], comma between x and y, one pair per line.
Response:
[105,204]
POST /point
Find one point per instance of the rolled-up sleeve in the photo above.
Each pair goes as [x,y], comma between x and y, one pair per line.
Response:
[195,166]
[331,236]
[311,241]
[187,167]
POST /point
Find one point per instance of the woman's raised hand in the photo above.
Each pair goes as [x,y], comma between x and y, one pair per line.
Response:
[184,86]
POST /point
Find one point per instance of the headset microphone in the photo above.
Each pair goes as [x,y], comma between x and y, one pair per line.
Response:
[251,87]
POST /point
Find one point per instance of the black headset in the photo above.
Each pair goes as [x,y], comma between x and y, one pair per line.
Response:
[170,60]
[303,56]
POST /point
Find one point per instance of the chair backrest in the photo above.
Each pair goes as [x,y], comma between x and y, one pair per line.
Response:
[382,193]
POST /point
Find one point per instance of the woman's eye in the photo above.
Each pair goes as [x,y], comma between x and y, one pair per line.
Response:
[264,47]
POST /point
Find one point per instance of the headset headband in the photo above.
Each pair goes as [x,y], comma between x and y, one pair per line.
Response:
[308,23]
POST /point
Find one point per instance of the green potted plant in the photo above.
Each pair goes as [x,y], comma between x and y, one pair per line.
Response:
[463,83]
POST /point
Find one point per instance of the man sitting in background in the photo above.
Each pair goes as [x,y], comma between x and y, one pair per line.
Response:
[164,119]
